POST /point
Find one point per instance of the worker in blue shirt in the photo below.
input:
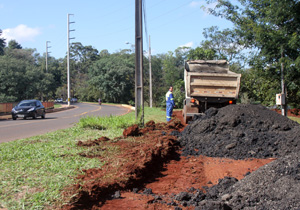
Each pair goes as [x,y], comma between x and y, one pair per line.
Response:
[170,103]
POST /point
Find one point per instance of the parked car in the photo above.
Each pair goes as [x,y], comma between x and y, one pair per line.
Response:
[28,108]
[59,100]
[73,100]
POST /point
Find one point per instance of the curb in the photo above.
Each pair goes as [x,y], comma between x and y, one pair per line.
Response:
[60,109]
[128,106]
[125,105]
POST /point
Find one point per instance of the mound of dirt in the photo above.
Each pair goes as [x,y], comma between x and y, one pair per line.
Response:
[240,132]
[273,186]
[236,157]
[141,156]
[247,131]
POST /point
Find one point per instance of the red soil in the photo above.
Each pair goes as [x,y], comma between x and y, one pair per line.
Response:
[181,175]
[156,163]
[290,112]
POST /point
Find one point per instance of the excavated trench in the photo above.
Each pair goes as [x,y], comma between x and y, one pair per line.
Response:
[237,157]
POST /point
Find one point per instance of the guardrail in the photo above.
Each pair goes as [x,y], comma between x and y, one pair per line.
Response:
[7,107]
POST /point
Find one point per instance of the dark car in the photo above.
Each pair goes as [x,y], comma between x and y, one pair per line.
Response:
[28,108]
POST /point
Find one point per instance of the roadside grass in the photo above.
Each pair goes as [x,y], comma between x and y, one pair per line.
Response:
[57,106]
[34,171]
[117,122]
[297,119]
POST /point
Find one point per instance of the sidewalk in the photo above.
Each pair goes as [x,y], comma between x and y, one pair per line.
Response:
[62,108]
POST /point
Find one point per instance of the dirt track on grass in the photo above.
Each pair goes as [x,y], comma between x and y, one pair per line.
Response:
[237,157]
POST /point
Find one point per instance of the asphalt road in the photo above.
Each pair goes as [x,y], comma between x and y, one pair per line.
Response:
[17,129]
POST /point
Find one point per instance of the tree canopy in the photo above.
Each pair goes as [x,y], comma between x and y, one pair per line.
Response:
[271,30]
[2,44]
[13,44]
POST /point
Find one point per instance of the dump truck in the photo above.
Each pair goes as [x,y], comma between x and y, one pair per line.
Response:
[208,83]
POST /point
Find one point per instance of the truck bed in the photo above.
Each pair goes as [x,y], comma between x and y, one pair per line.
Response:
[213,85]
[204,79]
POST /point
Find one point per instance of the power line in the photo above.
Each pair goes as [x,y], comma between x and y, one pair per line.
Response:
[157,4]
[146,21]
[174,20]
[171,10]
[115,11]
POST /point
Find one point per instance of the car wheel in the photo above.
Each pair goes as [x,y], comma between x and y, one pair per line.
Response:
[34,115]
[14,118]
[43,115]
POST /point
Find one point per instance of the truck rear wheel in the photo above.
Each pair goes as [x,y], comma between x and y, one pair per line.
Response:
[185,117]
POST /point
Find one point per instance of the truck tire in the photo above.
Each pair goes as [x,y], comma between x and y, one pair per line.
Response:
[185,117]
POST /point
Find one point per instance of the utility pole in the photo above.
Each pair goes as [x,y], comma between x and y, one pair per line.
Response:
[150,73]
[139,100]
[47,55]
[68,58]
[283,92]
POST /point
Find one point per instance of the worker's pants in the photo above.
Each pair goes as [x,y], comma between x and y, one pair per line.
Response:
[169,112]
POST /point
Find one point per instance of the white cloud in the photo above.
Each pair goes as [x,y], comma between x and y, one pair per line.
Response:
[189,44]
[21,33]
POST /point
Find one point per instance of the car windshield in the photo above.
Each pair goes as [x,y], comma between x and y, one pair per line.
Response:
[27,104]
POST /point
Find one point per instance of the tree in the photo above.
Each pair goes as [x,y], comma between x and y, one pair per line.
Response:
[267,25]
[13,79]
[83,56]
[21,54]
[223,43]
[179,93]
[202,54]
[113,77]
[13,44]
[255,88]
[2,44]
[22,76]
[158,83]
[173,65]
[271,27]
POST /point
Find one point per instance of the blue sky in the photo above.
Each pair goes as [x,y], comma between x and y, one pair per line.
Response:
[105,24]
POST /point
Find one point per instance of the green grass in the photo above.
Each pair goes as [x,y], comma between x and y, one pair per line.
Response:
[120,122]
[297,119]
[57,106]
[34,171]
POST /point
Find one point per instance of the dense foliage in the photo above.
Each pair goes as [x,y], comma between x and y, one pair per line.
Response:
[270,30]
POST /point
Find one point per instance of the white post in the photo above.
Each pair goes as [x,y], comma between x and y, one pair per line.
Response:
[68,59]
[150,73]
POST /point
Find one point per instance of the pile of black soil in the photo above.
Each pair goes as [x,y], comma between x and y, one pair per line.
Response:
[240,132]
[273,186]
[248,131]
